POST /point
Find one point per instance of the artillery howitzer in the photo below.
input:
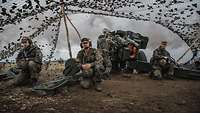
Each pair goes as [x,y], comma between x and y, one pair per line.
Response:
[119,51]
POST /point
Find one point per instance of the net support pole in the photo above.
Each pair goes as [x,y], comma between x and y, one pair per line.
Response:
[67,31]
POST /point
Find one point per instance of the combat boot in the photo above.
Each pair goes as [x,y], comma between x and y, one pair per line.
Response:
[157,75]
[135,71]
[85,84]
[98,86]
[171,74]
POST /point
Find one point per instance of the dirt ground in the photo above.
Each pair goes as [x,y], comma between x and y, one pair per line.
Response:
[137,94]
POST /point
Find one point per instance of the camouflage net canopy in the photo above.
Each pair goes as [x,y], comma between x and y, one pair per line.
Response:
[176,15]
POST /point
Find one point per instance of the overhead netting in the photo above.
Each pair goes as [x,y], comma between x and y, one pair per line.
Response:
[179,16]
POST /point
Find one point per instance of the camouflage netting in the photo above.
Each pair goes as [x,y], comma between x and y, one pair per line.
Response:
[176,15]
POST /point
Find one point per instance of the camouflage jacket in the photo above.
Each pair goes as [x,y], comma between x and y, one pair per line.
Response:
[102,43]
[159,53]
[33,54]
[93,57]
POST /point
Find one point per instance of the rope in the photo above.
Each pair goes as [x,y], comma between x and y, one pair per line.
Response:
[74,27]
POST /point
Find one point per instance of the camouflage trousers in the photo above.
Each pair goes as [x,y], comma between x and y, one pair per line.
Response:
[130,65]
[89,78]
[160,72]
[29,73]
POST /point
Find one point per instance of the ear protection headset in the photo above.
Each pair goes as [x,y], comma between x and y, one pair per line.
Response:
[85,39]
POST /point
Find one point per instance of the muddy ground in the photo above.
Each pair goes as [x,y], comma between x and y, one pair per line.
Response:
[137,94]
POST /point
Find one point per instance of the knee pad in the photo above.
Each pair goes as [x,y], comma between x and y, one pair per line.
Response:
[157,73]
[85,83]
[31,64]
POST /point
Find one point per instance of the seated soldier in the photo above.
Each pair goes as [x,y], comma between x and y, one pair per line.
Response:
[161,61]
[132,57]
[29,61]
[90,62]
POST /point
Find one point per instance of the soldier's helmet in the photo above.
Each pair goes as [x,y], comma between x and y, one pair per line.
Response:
[85,39]
[25,39]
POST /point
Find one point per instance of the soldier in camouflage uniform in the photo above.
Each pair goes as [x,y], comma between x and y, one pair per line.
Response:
[161,61]
[29,61]
[91,64]
[104,41]
[105,47]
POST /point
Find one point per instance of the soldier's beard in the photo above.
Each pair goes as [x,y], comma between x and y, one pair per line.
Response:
[27,47]
[162,48]
[86,47]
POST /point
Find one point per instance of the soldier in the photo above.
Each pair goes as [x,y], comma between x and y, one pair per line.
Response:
[91,65]
[161,61]
[132,57]
[108,47]
[103,40]
[29,61]
[122,43]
